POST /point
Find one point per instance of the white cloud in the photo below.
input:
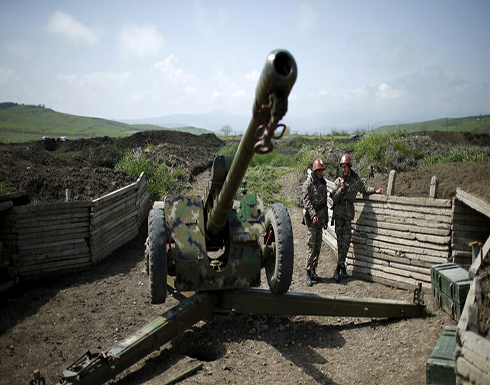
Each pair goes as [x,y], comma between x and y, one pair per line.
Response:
[401,52]
[208,23]
[96,83]
[7,75]
[252,76]
[169,70]
[222,16]
[238,94]
[139,41]
[306,18]
[71,29]
[94,93]
[17,48]
[387,91]
[190,90]
[429,93]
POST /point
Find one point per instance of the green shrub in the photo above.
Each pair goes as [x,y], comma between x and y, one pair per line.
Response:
[162,179]
[454,156]
[6,188]
[304,158]
[385,152]
[263,180]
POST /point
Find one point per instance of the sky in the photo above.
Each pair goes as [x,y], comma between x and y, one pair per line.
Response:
[359,62]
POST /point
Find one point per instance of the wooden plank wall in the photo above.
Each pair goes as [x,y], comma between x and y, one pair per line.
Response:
[471,223]
[396,239]
[115,218]
[53,239]
[44,239]
[113,222]
[472,361]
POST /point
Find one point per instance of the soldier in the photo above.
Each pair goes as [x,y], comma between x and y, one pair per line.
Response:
[315,195]
[344,195]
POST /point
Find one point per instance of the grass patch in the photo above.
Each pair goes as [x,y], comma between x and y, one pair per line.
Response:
[263,180]
[265,170]
[455,156]
[6,188]
[162,179]
[384,151]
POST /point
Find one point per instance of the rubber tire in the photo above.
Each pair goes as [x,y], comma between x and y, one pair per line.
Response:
[157,256]
[279,265]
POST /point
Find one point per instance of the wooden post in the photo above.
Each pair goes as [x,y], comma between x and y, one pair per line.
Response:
[68,195]
[391,183]
[433,187]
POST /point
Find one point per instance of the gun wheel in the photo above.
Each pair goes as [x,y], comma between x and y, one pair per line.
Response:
[157,256]
[279,248]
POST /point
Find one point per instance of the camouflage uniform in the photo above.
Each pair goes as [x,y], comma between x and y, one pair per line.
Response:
[343,212]
[315,195]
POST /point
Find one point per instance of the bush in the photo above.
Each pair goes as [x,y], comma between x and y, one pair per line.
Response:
[385,152]
[454,156]
[6,188]
[265,170]
[162,179]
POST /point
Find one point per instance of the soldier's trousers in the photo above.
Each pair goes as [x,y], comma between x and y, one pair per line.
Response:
[314,245]
[344,233]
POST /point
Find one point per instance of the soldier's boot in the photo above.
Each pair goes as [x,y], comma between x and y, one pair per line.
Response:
[336,274]
[309,283]
[314,276]
[343,273]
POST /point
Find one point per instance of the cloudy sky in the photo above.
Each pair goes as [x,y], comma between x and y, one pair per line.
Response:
[359,62]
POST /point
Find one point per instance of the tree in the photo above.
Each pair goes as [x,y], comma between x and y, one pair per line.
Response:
[226,129]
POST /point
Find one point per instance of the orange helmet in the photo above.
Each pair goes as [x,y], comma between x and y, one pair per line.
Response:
[318,165]
[345,159]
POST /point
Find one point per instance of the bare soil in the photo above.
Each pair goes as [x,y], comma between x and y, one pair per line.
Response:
[47,325]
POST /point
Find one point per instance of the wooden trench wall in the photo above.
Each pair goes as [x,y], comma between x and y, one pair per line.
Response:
[395,239]
[55,239]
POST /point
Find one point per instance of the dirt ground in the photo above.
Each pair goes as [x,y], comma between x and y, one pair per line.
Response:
[48,325]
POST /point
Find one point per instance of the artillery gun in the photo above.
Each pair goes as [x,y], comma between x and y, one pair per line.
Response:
[212,250]
[223,241]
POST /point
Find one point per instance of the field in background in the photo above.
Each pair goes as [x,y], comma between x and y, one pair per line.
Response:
[22,123]
[476,124]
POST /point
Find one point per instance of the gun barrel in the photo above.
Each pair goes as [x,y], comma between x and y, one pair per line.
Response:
[270,105]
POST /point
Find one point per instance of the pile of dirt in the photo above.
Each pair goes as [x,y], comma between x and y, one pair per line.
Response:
[44,170]
[471,177]
[459,138]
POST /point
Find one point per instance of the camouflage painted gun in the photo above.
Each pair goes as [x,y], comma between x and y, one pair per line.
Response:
[223,241]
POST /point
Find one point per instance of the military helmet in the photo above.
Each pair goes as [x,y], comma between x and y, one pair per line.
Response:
[345,160]
[318,165]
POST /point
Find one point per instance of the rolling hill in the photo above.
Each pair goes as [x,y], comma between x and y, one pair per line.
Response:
[20,123]
[476,124]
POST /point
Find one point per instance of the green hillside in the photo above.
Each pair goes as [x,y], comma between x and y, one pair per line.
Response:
[20,123]
[477,124]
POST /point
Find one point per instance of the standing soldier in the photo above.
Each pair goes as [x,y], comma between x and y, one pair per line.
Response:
[344,195]
[315,195]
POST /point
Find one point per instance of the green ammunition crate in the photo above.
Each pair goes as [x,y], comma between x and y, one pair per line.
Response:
[446,303]
[440,365]
[451,280]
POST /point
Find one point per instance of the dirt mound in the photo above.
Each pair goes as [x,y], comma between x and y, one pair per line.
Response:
[44,170]
[471,177]
[458,138]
